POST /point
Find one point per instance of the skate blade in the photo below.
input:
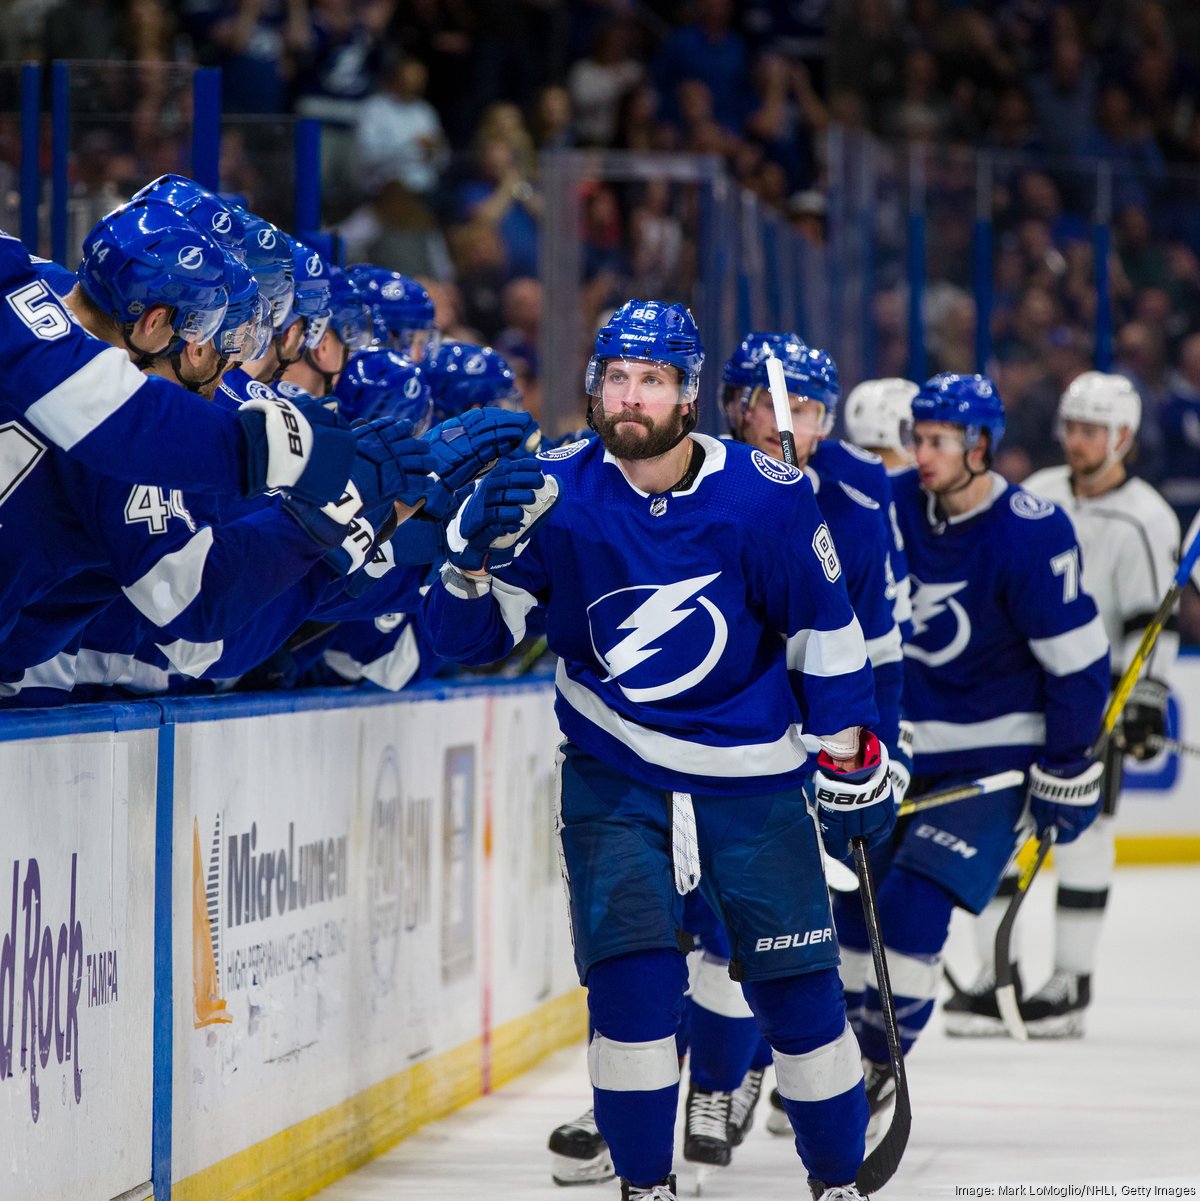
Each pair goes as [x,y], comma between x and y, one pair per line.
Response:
[1068,1025]
[566,1171]
[704,1174]
[972,1025]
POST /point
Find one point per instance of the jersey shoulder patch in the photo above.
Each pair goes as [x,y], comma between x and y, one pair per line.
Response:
[774,470]
[564,452]
[1032,508]
[858,497]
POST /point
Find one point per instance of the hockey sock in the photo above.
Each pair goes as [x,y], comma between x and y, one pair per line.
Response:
[817,1068]
[722,1030]
[636,1002]
[915,912]
[988,922]
[1085,870]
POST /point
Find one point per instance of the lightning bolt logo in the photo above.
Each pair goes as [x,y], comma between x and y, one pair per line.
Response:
[648,624]
[930,601]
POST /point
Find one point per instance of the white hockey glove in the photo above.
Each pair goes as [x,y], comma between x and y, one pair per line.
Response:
[308,453]
[853,804]
[1066,796]
[900,768]
[1144,717]
[499,516]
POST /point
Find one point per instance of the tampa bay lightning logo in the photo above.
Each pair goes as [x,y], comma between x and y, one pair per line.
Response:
[190,257]
[941,627]
[653,642]
[259,391]
[564,452]
[393,290]
[475,365]
[313,265]
[1032,508]
[222,223]
[266,238]
[412,388]
[774,470]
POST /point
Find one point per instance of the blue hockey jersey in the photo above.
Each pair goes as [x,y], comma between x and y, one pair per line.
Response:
[1008,661]
[864,471]
[700,632]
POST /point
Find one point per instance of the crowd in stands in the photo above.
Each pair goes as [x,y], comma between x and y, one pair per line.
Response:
[434,113]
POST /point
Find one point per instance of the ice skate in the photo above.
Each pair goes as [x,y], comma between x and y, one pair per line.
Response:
[663,1191]
[836,1192]
[706,1131]
[973,1012]
[742,1103]
[777,1119]
[1057,1009]
[580,1153]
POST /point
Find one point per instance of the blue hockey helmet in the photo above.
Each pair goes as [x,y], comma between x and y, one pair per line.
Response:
[401,308]
[269,256]
[384,383]
[810,374]
[653,332]
[350,319]
[206,211]
[312,291]
[967,400]
[147,253]
[462,376]
[245,330]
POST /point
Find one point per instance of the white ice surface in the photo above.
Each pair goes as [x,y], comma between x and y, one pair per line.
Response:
[1120,1107]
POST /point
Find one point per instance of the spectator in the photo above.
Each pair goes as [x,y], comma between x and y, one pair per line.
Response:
[787,111]
[519,340]
[866,55]
[598,84]
[657,237]
[919,114]
[552,124]
[502,196]
[399,136]
[1119,139]
[480,269]
[1141,358]
[710,50]
[1181,426]
[1064,96]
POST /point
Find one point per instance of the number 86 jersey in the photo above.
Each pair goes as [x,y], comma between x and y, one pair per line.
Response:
[1008,661]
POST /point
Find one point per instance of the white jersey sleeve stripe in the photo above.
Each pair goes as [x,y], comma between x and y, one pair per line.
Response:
[57,673]
[85,400]
[1065,654]
[822,1074]
[192,658]
[783,755]
[515,604]
[391,671]
[886,649]
[99,667]
[828,652]
[1011,729]
[173,582]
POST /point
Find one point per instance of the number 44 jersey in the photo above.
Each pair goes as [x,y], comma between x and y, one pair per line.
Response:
[1008,661]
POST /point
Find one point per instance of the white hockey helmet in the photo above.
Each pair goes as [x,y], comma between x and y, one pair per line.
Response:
[879,413]
[1102,399]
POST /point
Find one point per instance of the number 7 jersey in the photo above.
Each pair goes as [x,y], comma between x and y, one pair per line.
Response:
[1008,661]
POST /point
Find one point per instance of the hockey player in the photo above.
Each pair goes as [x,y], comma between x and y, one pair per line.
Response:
[349,329]
[694,596]
[1007,668]
[401,311]
[727,1060]
[1129,537]
[87,398]
[462,376]
[878,417]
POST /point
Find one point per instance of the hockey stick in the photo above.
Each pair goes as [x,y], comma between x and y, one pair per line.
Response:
[961,792]
[1006,993]
[1174,745]
[879,1167]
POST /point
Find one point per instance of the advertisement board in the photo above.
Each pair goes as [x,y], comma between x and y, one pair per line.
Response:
[76,964]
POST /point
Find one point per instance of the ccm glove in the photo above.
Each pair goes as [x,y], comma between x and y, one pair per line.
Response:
[854,804]
[1066,797]
[390,464]
[900,766]
[307,452]
[1145,717]
[499,516]
[464,447]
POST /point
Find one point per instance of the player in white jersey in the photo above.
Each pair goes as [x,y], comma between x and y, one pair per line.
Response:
[879,418]
[1129,538]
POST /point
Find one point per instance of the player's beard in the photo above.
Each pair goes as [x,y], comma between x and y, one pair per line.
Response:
[629,444]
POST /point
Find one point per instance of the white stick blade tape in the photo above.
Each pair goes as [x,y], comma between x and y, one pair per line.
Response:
[779,395]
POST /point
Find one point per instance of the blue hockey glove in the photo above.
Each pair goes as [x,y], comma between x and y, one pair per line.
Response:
[465,447]
[1144,717]
[390,464]
[1066,796]
[307,452]
[506,507]
[853,804]
[900,766]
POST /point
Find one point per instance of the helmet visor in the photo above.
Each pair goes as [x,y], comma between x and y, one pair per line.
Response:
[619,382]
[199,325]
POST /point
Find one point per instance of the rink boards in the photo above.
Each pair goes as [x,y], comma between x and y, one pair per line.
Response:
[246,944]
